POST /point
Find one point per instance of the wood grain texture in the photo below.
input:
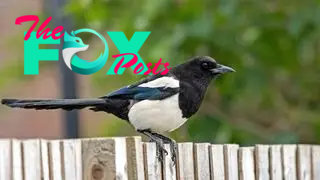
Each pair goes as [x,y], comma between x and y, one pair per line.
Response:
[135,158]
[262,162]
[217,164]
[126,158]
[169,170]
[231,161]
[72,159]
[98,159]
[202,161]
[185,161]
[31,159]
[121,158]
[276,172]
[304,162]
[246,163]
[17,166]
[153,170]
[5,160]
[44,159]
[289,162]
[55,160]
[315,150]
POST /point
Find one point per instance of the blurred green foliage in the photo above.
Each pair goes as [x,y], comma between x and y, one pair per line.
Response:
[273,45]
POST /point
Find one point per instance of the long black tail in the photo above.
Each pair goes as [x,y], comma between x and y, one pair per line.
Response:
[66,104]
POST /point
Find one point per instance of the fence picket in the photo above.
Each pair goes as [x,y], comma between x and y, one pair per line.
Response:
[31,159]
[127,158]
[304,162]
[262,162]
[202,161]
[153,166]
[72,159]
[315,150]
[246,163]
[231,161]
[98,159]
[44,159]
[169,169]
[217,163]
[17,166]
[289,162]
[276,172]
[185,161]
[5,161]
[55,163]
[135,158]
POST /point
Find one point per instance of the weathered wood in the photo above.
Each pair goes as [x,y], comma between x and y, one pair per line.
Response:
[217,163]
[55,163]
[121,159]
[185,161]
[5,161]
[246,163]
[262,162]
[98,159]
[127,158]
[202,161]
[276,172]
[17,167]
[315,150]
[231,161]
[135,158]
[44,159]
[153,170]
[31,159]
[304,162]
[289,162]
[169,169]
[72,159]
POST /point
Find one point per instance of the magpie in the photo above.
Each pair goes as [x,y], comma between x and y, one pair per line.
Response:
[153,105]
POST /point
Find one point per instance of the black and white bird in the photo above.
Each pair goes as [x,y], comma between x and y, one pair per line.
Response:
[153,105]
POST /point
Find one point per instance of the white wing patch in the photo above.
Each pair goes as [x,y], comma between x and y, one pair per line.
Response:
[160,82]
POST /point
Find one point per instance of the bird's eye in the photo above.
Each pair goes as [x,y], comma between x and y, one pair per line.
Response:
[77,41]
[205,65]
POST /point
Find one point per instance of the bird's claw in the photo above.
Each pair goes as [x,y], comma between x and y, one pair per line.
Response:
[174,149]
[173,158]
[161,152]
[174,155]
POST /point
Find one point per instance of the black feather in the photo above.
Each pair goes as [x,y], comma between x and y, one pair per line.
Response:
[66,104]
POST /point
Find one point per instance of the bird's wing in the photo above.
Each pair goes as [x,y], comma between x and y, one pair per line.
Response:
[147,79]
[151,88]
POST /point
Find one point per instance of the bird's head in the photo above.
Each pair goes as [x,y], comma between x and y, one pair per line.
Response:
[208,66]
[202,67]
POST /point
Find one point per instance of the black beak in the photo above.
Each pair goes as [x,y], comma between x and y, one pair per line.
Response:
[221,69]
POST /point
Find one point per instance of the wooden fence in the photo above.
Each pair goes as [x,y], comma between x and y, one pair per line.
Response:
[128,158]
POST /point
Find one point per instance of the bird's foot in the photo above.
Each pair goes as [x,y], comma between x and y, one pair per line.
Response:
[173,146]
[174,151]
[161,151]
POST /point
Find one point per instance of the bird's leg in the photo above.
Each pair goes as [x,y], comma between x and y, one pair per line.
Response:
[159,143]
[173,145]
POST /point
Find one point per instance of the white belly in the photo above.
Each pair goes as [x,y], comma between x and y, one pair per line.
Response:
[159,116]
